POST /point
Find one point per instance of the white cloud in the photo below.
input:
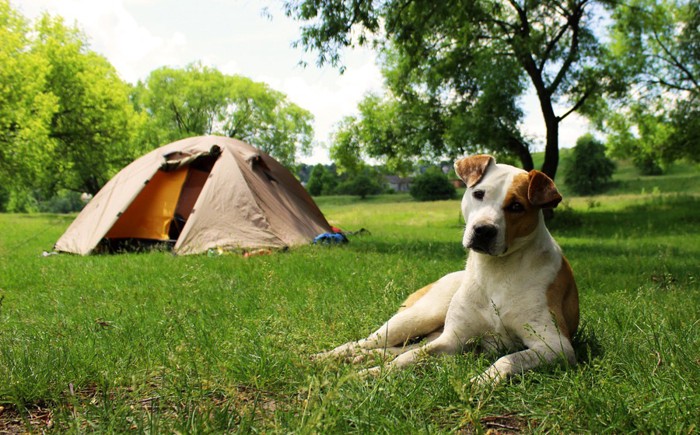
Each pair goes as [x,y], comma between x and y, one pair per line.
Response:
[114,32]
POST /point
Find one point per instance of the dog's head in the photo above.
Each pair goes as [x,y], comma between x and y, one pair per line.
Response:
[502,205]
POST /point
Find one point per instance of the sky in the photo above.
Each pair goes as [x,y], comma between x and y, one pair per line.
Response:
[245,37]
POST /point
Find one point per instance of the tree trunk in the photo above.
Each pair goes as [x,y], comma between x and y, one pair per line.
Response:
[523,152]
[551,150]
[551,120]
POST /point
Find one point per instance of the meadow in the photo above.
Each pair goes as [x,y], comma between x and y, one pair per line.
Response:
[152,342]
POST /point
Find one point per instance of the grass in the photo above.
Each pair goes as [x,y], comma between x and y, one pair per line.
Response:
[156,343]
[680,177]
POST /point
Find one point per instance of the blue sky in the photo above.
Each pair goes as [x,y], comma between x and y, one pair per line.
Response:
[236,37]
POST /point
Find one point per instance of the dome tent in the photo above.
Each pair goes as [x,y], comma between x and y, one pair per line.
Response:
[200,193]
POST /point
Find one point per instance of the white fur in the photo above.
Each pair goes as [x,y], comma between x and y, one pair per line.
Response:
[498,303]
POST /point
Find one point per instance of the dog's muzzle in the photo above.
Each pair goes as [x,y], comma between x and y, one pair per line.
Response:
[483,239]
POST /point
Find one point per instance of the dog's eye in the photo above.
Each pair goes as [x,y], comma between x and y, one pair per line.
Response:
[515,207]
[478,194]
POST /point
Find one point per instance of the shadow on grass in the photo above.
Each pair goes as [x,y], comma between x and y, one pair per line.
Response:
[661,216]
[586,345]
[417,249]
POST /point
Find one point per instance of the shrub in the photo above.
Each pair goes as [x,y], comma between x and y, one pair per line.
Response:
[64,201]
[589,170]
[322,181]
[647,164]
[432,185]
[361,185]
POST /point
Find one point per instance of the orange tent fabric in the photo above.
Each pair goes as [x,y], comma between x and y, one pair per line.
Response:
[150,214]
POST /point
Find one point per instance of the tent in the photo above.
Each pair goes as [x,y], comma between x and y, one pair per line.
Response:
[200,193]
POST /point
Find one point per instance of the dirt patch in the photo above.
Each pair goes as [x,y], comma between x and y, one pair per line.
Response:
[37,419]
[500,424]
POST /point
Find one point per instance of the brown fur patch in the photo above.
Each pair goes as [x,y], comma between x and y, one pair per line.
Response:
[519,224]
[562,300]
[415,296]
[542,192]
[471,169]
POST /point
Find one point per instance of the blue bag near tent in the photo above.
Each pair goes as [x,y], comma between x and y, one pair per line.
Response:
[330,239]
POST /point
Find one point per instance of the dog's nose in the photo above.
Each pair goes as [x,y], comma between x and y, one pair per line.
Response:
[485,232]
[483,237]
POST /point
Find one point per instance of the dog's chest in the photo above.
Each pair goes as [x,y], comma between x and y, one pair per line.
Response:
[512,293]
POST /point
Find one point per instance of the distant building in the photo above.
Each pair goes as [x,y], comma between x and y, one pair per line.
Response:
[399,184]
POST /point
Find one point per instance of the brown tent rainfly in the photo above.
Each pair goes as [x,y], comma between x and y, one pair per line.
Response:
[201,192]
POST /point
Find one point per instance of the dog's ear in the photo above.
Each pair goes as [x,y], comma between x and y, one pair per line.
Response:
[471,169]
[542,192]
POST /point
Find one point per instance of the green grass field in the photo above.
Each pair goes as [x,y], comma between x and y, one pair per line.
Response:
[157,343]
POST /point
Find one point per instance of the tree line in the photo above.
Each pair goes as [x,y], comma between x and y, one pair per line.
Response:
[68,122]
[455,72]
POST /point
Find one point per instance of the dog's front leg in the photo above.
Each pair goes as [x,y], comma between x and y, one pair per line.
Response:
[528,359]
[445,344]
[393,335]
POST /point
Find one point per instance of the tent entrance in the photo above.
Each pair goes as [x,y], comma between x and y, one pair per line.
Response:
[162,208]
[197,175]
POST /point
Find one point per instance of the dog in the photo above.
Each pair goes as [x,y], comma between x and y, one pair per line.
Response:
[516,295]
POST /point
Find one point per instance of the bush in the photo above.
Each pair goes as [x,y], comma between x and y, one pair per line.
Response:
[589,170]
[322,181]
[64,201]
[361,185]
[647,164]
[433,185]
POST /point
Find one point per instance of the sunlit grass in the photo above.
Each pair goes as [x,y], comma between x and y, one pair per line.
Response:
[159,343]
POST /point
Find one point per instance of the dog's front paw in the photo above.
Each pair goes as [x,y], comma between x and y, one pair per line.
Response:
[319,356]
[342,352]
[492,376]
[360,358]
[372,372]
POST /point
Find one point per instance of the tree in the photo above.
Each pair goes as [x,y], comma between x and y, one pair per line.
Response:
[25,109]
[589,170]
[468,61]
[95,123]
[322,181]
[199,100]
[181,102]
[66,121]
[655,45]
[375,132]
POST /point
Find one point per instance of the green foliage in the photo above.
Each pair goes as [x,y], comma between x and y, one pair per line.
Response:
[456,71]
[26,107]
[322,181]
[68,122]
[65,120]
[432,185]
[95,124]
[200,100]
[589,170]
[654,47]
[362,181]
[65,201]
[361,185]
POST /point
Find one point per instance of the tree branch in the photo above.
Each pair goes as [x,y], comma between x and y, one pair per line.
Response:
[573,21]
[674,61]
[576,106]
[551,45]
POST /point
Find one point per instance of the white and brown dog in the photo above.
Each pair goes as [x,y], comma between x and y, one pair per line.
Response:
[517,293]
